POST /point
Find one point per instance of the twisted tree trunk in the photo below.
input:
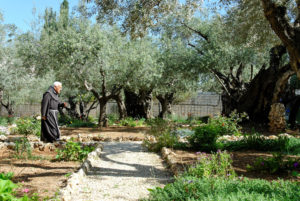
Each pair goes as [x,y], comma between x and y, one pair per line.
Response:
[288,33]
[256,97]
[166,101]
[121,106]
[138,105]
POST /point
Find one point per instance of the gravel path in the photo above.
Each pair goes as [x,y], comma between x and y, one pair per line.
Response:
[124,172]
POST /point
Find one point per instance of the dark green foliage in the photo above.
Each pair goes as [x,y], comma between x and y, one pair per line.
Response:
[259,143]
[228,125]
[205,138]
[292,146]
[276,164]
[28,126]
[76,123]
[73,151]
[7,189]
[129,121]
[80,123]
[222,189]
[64,120]
[6,176]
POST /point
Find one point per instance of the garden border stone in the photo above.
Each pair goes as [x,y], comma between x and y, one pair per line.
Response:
[169,156]
[78,177]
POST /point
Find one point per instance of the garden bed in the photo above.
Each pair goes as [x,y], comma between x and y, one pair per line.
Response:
[179,160]
[114,133]
[42,175]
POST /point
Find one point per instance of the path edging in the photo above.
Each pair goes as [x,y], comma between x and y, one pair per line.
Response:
[76,178]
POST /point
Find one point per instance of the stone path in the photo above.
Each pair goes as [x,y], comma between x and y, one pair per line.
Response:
[124,172]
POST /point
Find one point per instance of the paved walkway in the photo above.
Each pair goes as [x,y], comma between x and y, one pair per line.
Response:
[124,172]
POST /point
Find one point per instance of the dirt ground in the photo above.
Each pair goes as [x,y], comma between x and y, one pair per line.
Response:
[41,176]
[112,132]
[240,161]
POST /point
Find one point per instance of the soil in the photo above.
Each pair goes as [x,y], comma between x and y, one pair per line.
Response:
[240,161]
[41,175]
[113,132]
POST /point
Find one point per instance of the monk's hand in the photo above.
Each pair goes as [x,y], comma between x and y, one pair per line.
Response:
[65,104]
[44,118]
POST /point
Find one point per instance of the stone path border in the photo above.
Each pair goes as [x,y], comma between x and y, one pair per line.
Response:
[77,177]
[124,171]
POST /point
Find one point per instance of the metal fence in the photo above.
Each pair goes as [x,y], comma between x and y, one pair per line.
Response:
[203,104]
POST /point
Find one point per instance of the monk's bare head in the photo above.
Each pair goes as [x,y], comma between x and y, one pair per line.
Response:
[57,87]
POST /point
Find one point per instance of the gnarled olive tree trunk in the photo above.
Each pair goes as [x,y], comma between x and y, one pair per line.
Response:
[121,106]
[256,97]
[138,105]
[166,101]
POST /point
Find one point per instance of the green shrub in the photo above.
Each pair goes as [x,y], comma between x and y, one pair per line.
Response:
[205,138]
[73,151]
[162,131]
[112,119]
[276,164]
[76,123]
[4,121]
[165,139]
[23,147]
[292,146]
[28,126]
[129,121]
[228,125]
[6,176]
[64,120]
[7,188]
[259,143]
[212,165]
[158,126]
[222,189]
[80,123]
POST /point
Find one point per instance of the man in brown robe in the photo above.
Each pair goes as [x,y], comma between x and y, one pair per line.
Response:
[50,103]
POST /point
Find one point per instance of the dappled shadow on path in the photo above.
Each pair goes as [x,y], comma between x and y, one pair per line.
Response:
[128,169]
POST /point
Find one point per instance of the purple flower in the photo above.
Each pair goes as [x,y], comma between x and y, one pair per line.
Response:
[228,175]
[198,152]
[262,163]
[190,181]
[296,164]
[219,151]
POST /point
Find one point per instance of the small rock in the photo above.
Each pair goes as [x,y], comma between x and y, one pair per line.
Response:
[272,137]
[2,145]
[3,138]
[108,139]
[42,148]
[11,145]
[49,147]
